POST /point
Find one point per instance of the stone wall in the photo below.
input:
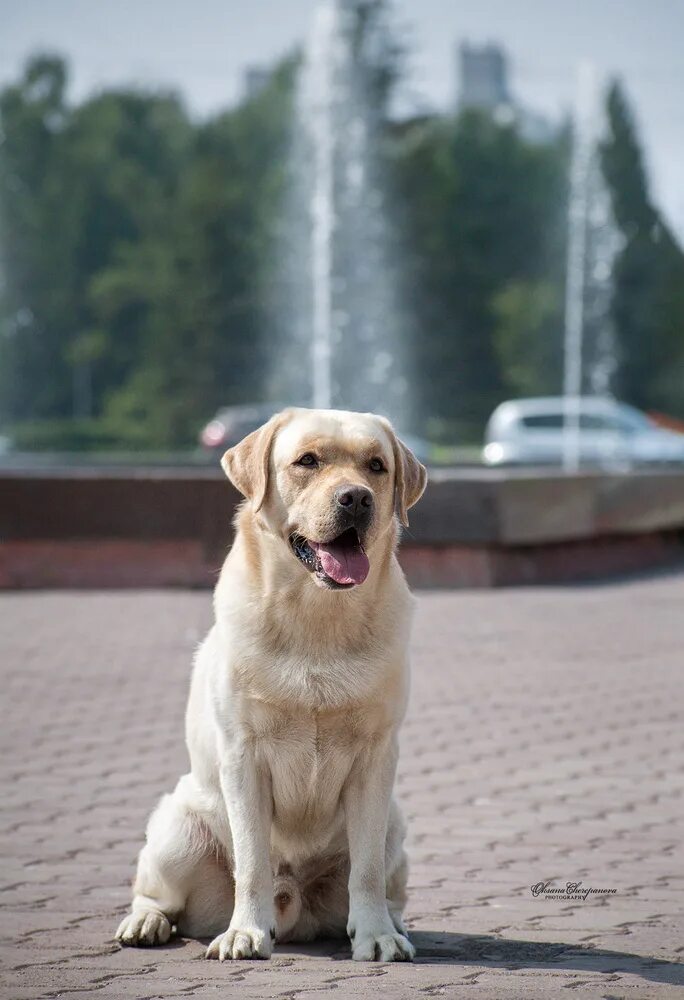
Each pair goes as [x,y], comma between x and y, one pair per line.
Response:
[161,527]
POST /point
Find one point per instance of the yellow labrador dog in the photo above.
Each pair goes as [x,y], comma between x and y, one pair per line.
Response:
[285,828]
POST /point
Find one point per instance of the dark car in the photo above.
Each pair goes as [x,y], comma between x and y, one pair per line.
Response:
[232,423]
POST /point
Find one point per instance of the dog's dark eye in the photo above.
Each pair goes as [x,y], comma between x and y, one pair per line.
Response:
[308,460]
[376,465]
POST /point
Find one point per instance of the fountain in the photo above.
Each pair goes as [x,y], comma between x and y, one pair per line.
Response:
[343,339]
[604,242]
[590,358]
[319,88]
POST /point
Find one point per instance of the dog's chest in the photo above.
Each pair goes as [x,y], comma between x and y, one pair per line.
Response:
[308,758]
[309,682]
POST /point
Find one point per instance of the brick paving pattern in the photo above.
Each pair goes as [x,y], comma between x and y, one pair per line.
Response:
[544,742]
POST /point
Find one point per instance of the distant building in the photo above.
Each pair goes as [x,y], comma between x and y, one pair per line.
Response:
[483,84]
[483,77]
[255,80]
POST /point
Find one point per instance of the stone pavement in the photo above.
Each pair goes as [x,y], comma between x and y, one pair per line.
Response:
[544,742]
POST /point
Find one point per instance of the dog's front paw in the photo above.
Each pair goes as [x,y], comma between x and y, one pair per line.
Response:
[381,946]
[144,928]
[248,942]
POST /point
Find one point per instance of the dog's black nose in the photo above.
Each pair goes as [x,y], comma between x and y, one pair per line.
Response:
[356,500]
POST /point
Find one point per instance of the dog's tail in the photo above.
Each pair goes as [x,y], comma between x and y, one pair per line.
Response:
[288,903]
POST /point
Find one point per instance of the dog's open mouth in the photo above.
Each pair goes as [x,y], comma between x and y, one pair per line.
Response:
[338,563]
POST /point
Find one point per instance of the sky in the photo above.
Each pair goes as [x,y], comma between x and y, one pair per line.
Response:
[202,48]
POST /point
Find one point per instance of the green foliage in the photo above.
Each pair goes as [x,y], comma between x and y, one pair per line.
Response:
[526,340]
[648,305]
[138,251]
[483,212]
[135,246]
[196,280]
[97,434]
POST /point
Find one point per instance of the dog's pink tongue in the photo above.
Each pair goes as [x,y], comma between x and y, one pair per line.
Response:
[343,563]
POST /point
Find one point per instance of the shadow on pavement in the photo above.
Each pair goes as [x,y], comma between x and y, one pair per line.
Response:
[457,949]
[446,948]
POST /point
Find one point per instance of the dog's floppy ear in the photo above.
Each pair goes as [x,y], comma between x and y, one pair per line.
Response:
[410,477]
[247,464]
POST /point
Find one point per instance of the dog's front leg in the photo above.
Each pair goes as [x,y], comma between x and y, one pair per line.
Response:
[247,793]
[366,803]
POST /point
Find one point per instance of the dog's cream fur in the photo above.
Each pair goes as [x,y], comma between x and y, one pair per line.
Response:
[285,827]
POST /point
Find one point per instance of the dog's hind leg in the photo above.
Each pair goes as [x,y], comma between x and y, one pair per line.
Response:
[209,905]
[173,869]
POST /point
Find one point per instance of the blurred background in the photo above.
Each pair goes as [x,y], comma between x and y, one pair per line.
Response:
[208,212]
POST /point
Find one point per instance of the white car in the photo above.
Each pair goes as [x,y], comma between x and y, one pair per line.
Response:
[532,432]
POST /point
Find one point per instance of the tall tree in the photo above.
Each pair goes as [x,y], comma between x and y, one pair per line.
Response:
[77,185]
[198,276]
[648,304]
[34,270]
[482,208]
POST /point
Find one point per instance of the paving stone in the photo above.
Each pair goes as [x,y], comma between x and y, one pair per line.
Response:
[544,741]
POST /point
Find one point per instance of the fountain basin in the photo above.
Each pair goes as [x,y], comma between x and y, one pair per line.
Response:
[125,527]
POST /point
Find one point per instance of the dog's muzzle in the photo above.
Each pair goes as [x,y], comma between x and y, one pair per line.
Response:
[338,564]
[341,561]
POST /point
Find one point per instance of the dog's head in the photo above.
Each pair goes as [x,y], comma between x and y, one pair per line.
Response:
[326,482]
